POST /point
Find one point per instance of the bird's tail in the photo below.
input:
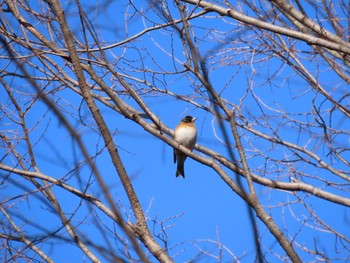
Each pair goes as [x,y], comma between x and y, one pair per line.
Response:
[180,170]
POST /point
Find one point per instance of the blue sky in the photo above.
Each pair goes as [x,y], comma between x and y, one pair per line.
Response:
[201,209]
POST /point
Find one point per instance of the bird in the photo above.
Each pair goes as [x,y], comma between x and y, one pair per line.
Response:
[186,135]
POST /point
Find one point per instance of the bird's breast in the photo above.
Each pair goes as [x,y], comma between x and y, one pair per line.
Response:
[186,136]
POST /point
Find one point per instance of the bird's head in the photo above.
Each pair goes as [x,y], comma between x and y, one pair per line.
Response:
[188,119]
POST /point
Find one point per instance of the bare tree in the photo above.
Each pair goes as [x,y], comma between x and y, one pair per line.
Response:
[270,80]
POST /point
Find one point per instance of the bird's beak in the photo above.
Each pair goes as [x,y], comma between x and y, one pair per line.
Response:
[194,119]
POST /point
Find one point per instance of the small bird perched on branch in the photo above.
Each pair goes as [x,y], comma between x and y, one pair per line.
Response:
[186,135]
